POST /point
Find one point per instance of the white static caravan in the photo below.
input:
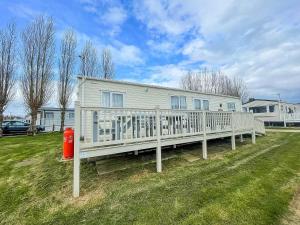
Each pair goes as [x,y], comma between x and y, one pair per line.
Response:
[274,112]
[121,94]
[116,116]
[50,118]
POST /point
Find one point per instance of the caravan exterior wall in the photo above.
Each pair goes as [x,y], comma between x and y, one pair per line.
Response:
[91,93]
[50,118]
[273,111]
[94,92]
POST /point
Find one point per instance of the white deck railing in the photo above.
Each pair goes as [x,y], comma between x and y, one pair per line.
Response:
[292,117]
[110,126]
[106,131]
[259,126]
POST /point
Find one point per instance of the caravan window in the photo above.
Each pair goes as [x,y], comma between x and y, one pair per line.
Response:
[106,99]
[49,115]
[197,104]
[183,102]
[205,105]
[178,102]
[258,109]
[117,100]
[231,106]
[112,99]
[174,102]
[71,115]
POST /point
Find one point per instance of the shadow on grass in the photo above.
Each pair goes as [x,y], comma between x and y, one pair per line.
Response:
[125,165]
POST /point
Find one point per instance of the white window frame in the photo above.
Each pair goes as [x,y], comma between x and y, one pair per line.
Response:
[110,98]
[230,109]
[201,103]
[179,103]
[49,113]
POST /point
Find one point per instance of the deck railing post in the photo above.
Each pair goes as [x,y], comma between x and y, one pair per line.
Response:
[158,148]
[253,131]
[76,162]
[204,142]
[233,147]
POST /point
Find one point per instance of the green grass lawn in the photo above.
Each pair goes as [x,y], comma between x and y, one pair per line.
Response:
[251,185]
[286,128]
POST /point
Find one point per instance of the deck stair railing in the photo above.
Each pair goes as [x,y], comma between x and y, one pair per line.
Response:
[259,126]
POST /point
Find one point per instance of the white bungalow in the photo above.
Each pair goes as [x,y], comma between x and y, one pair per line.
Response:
[117,116]
[274,112]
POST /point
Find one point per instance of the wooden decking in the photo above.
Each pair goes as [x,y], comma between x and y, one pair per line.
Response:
[104,131]
[96,151]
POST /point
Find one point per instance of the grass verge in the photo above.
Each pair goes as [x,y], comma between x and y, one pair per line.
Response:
[251,185]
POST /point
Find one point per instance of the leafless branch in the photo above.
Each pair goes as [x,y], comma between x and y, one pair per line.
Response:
[8,42]
[107,65]
[66,65]
[89,64]
[214,82]
[38,55]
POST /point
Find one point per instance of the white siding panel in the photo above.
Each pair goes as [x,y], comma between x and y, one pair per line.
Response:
[148,97]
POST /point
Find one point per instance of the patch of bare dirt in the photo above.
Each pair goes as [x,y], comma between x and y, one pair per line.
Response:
[26,162]
[190,157]
[293,217]
[137,177]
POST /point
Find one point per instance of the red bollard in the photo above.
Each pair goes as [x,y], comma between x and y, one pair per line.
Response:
[68,148]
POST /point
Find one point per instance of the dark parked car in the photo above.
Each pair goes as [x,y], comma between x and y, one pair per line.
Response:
[18,127]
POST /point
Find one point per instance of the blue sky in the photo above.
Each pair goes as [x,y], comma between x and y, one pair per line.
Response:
[158,41]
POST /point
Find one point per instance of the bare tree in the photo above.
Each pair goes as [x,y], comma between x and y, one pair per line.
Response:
[214,82]
[66,65]
[107,65]
[89,64]
[38,55]
[8,42]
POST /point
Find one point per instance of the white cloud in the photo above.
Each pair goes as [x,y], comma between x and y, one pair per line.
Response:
[166,75]
[258,40]
[160,47]
[122,54]
[128,55]
[23,11]
[114,15]
[110,14]
[157,15]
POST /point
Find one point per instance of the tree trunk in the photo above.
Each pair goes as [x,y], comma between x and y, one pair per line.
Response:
[32,128]
[62,119]
[1,121]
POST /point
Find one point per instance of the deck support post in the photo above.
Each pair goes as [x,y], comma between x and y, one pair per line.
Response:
[76,162]
[204,142]
[241,138]
[253,137]
[158,148]
[204,149]
[233,146]
[136,152]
